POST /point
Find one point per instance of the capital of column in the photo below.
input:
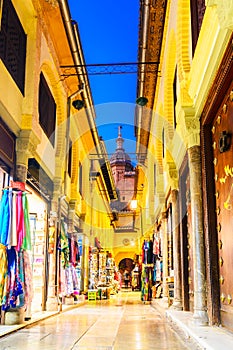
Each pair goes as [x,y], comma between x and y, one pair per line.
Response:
[224,10]
[26,145]
[192,131]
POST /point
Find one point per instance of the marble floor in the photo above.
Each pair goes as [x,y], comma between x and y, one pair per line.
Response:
[121,322]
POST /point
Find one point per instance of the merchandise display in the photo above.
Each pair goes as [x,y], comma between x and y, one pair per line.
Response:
[15,242]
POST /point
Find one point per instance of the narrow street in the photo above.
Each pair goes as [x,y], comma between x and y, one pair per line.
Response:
[119,323]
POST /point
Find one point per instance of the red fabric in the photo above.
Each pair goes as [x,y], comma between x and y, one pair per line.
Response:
[20,227]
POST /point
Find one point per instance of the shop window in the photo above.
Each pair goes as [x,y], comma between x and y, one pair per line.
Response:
[197,13]
[4,179]
[47,110]
[13,44]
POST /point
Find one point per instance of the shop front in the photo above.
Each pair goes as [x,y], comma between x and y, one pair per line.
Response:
[38,209]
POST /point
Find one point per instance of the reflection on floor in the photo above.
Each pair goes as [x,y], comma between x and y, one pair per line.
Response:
[121,322]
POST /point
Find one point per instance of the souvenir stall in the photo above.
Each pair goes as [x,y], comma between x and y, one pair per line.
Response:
[15,243]
[147,270]
[69,260]
[136,278]
[102,274]
[158,266]
[38,227]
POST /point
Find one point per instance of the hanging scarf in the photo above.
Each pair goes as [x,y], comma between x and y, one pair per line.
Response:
[13,237]
[4,218]
[28,280]
[10,216]
[3,273]
[27,245]
[20,226]
[64,246]
[15,285]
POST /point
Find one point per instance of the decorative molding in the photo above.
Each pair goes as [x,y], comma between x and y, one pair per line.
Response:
[26,145]
[53,3]
[220,85]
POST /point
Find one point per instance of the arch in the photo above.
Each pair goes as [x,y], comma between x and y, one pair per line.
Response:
[126,264]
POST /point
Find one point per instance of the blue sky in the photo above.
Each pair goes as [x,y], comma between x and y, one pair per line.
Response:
[109,34]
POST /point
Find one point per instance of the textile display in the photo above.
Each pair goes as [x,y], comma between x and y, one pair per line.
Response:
[15,239]
[64,246]
[69,259]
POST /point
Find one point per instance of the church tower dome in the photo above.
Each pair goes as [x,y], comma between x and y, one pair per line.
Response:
[120,157]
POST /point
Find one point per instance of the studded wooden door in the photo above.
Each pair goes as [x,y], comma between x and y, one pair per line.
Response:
[222,136]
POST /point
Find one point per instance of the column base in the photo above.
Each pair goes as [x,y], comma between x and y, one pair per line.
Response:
[177,305]
[53,304]
[200,318]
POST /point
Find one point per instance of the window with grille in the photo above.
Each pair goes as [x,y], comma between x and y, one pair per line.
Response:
[197,13]
[13,44]
[47,110]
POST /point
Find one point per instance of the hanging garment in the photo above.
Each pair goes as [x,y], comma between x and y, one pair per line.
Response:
[150,252]
[158,270]
[74,253]
[156,245]
[14,296]
[20,226]
[27,245]
[146,252]
[11,273]
[74,278]
[3,273]
[64,246]
[28,280]
[13,236]
[20,279]
[69,287]
[4,218]
[10,216]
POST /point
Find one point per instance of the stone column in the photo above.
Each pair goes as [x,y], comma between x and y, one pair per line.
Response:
[200,314]
[177,303]
[165,254]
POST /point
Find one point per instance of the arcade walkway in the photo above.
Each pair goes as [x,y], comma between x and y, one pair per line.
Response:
[120,323]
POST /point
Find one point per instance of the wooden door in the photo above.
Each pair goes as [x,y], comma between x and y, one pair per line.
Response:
[222,137]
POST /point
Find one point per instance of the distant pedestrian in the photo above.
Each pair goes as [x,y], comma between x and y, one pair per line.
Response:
[126,278]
